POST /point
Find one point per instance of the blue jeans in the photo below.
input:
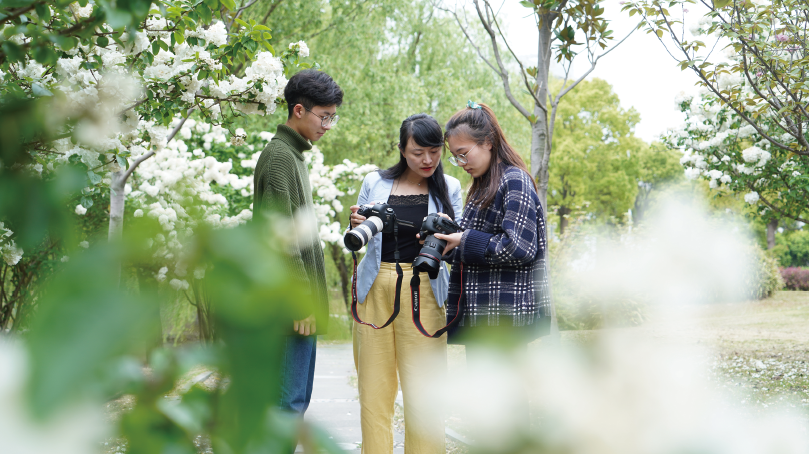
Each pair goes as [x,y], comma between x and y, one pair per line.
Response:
[298,373]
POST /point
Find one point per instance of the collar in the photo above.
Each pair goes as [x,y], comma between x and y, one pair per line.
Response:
[293,139]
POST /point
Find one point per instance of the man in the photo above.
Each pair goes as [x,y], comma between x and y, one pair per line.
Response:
[281,184]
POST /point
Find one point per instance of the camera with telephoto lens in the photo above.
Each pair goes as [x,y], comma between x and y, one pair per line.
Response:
[429,259]
[378,218]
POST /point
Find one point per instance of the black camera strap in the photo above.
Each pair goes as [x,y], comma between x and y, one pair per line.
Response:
[400,276]
[414,298]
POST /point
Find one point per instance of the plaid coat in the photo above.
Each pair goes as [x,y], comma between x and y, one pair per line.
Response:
[503,249]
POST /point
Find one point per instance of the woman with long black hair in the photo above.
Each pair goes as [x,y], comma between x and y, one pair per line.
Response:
[413,187]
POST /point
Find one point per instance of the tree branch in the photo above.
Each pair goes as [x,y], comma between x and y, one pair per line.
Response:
[534,93]
[151,153]
[502,72]
[239,13]
[565,91]
[17,13]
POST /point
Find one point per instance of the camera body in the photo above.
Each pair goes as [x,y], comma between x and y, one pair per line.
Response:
[429,259]
[382,211]
[378,218]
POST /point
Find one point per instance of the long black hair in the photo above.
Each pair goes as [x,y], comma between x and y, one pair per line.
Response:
[426,132]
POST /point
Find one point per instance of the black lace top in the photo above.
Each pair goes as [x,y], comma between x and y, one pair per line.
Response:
[411,208]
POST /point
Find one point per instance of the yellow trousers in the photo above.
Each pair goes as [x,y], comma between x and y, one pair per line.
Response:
[421,363]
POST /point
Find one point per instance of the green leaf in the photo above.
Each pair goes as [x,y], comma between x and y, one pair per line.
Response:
[13,51]
[45,55]
[204,13]
[229,4]
[122,162]
[720,3]
[43,12]
[261,27]
[241,22]
[93,177]
[179,37]
[527,4]
[103,41]
[86,202]
[156,46]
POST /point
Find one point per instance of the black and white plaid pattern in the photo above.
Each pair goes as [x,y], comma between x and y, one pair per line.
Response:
[503,251]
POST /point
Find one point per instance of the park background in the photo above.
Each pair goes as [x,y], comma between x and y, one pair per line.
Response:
[91,89]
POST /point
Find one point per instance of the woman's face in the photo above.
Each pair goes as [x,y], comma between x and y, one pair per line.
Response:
[421,160]
[478,156]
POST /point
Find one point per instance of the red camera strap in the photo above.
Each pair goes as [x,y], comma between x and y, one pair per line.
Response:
[414,298]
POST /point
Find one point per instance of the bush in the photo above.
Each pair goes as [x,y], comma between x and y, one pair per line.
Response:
[792,248]
[765,277]
[795,278]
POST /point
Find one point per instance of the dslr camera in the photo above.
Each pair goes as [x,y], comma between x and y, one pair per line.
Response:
[429,259]
[378,218]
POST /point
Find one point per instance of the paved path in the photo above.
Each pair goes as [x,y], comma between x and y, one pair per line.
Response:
[335,405]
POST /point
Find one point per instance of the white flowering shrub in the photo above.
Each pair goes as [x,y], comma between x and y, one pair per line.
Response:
[329,183]
[721,148]
[110,94]
[9,252]
[748,131]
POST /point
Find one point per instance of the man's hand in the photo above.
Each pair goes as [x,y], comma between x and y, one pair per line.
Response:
[305,327]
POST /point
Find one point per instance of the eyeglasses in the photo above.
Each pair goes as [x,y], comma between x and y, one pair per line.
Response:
[460,160]
[326,120]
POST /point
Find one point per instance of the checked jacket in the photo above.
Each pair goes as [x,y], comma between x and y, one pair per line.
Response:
[503,250]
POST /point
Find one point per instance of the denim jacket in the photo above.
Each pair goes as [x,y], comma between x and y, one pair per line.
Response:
[377,189]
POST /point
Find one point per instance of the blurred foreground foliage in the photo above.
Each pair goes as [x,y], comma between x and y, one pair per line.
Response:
[88,336]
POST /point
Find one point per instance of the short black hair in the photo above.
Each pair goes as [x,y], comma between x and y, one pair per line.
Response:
[311,88]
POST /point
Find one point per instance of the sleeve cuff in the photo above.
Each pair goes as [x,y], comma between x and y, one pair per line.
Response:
[473,247]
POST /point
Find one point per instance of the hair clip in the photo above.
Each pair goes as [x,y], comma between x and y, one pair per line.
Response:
[473,105]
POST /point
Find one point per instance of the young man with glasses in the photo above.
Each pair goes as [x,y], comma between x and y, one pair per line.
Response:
[281,184]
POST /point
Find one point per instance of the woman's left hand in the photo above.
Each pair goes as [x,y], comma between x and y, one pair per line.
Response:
[453,240]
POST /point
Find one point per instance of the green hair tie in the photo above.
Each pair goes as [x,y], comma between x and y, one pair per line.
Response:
[473,105]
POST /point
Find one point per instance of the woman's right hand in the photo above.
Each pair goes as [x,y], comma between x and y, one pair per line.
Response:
[355,219]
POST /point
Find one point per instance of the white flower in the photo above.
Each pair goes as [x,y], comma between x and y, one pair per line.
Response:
[65,259]
[138,213]
[715,174]
[161,274]
[692,173]
[754,154]
[80,210]
[178,284]
[84,244]
[303,49]
[751,197]
[725,179]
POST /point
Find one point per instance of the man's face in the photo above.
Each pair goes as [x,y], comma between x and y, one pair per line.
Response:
[311,123]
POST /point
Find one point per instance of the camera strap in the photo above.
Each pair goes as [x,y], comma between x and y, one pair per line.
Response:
[414,298]
[400,276]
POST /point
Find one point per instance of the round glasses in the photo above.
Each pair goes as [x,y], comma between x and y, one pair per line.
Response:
[326,120]
[460,160]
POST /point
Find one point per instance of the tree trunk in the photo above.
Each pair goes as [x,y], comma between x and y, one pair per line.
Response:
[117,203]
[771,228]
[563,220]
[541,135]
[345,280]
[540,132]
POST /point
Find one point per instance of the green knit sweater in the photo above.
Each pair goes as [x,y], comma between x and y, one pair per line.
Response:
[281,185]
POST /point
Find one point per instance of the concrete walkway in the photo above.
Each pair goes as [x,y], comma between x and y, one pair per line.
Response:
[335,405]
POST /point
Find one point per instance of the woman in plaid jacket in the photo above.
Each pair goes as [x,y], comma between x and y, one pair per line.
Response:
[499,272]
